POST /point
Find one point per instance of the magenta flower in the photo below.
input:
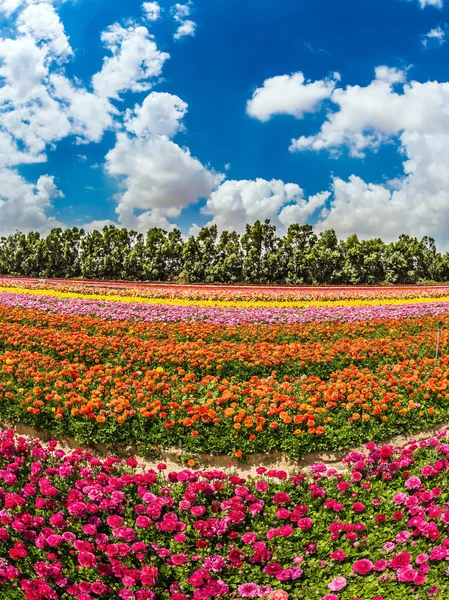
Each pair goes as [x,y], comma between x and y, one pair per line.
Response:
[337,584]
[362,566]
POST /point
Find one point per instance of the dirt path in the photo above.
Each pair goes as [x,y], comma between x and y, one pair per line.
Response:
[245,468]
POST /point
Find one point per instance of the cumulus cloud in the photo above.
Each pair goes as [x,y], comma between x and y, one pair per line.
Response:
[417,116]
[89,115]
[235,203]
[160,114]
[152,10]
[159,178]
[40,105]
[135,60]
[42,24]
[369,116]
[186,26]
[289,95]
[10,6]
[435,37]
[435,3]
[28,113]
[24,205]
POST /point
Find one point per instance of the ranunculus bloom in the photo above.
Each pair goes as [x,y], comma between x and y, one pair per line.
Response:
[362,566]
[337,584]
[279,595]
[338,555]
[249,590]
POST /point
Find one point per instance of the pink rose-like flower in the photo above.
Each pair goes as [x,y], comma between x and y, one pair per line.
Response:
[249,590]
[338,555]
[400,498]
[413,483]
[279,595]
[87,559]
[279,499]
[330,597]
[337,584]
[362,566]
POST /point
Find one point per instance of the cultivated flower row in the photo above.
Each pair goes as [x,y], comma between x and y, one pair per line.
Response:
[221,389]
[172,313]
[124,403]
[227,294]
[74,526]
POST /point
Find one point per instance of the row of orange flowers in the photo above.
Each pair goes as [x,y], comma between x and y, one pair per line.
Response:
[292,350]
[219,415]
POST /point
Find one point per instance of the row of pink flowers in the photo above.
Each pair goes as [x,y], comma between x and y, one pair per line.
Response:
[75,526]
[169,313]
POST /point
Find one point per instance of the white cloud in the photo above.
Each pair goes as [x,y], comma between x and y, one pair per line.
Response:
[435,3]
[235,203]
[186,26]
[90,115]
[22,69]
[181,11]
[289,95]
[159,177]
[389,108]
[135,60]
[390,75]
[27,111]
[42,24]
[152,10]
[369,116]
[160,114]
[24,205]
[10,6]
[436,36]
[98,224]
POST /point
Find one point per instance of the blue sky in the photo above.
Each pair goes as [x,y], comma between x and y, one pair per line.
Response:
[224,111]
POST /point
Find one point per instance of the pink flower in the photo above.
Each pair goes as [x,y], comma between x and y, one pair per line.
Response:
[362,566]
[413,483]
[272,568]
[286,530]
[338,555]
[278,595]
[262,486]
[402,559]
[421,559]
[249,590]
[380,565]
[305,523]
[337,584]
[87,559]
[400,498]
[406,574]
[279,499]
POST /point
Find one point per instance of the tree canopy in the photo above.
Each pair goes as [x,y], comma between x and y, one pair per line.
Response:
[301,256]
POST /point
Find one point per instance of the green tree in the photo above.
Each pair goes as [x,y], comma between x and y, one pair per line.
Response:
[327,259]
[298,245]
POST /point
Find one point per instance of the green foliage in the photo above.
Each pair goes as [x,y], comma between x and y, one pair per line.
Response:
[258,256]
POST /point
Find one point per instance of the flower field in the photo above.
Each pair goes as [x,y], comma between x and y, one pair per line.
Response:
[102,362]
[74,526]
[223,371]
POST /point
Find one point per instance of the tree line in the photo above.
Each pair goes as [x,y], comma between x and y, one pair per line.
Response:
[258,256]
